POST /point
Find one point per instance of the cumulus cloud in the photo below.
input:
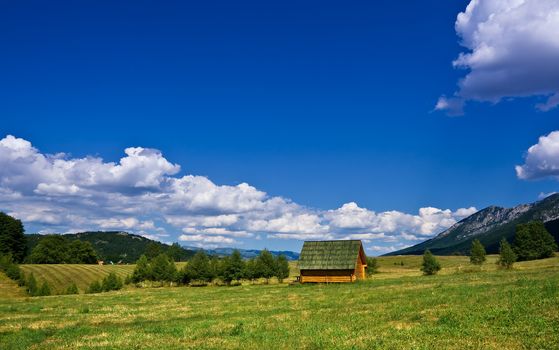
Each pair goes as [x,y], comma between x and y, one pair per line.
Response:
[143,193]
[542,159]
[512,51]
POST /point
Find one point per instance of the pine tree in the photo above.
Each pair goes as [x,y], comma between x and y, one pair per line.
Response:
[532,241]
[197,269]
[507,257]
[142,270]
[430,264]
[477,253]
[163,268]
[232,267]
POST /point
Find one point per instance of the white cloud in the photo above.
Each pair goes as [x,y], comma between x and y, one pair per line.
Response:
[143,193]
[542,159]
[205,238]
[512,51]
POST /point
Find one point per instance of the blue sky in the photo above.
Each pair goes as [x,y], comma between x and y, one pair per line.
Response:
[317,103]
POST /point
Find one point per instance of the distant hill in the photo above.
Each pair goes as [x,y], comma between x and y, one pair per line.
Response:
[248,253]
[111,245]
[490,225]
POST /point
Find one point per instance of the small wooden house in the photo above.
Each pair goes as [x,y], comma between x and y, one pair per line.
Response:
[332,261]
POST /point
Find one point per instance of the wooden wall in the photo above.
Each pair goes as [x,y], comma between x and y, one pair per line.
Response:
[327,276]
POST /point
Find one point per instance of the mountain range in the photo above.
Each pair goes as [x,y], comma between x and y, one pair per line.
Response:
[489,225]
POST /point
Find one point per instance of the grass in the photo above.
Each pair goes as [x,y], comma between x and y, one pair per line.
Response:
[458,309]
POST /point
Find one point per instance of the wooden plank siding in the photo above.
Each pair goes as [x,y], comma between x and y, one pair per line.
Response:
[327,276]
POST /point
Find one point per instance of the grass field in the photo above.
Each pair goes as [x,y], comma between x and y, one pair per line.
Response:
[459,309]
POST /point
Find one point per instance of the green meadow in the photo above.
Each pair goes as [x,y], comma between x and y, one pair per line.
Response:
[461,308]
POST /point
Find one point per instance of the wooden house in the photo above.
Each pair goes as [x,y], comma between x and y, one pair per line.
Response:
[332,261]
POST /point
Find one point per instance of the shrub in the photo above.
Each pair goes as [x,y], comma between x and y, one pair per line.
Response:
[430,264]
[94,287]
[477,253]
[532,241]
[507,257]
[44,290]
[31,283]
[372,266]
[111,282]
[72,289]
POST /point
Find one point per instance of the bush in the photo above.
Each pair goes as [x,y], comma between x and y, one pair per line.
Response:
[72,289]
[372,266]
[31,283]
[111,282]
[477,253]
[44,290]
[507,257]
[94,287]
[532,241]
[430,264]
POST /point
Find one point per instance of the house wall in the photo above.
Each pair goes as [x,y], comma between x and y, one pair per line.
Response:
[360,266]
[327,276]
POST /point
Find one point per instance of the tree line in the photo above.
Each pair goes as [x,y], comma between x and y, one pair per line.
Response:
[203,269]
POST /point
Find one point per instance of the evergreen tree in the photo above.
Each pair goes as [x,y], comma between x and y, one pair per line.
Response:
[265,265]
[163,268]
[430,264]
[152,250]
[532,241]
[282,268]
[12,238]
[372,266]
[507,257]
[32,288]
[81,252]
[232,267]
[197,269]
[52,249]
[111,282]
[477,253]
[142,270]
[176,252]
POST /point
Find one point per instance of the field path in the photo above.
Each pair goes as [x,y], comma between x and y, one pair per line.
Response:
[9,288]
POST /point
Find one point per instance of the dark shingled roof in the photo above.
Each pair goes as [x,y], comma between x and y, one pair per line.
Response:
[329,255]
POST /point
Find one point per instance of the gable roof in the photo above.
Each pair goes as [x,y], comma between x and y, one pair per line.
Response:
[330,255]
